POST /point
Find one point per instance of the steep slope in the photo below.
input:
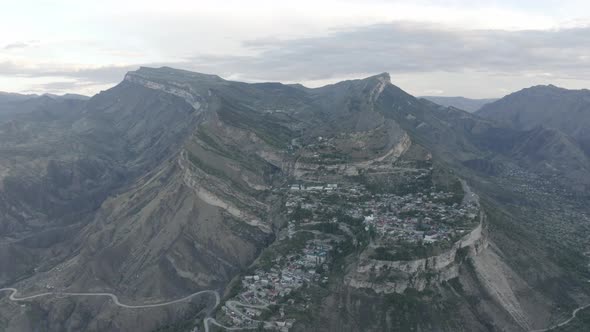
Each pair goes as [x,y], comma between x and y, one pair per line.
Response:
[550,106]
[169,215]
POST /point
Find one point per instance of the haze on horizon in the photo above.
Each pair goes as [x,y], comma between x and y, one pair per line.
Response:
[475,49]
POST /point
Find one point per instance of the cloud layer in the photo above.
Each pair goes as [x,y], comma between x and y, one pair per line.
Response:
[474,48]
[411,48]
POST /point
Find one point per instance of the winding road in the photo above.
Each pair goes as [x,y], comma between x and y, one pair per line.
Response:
[208,320]
[214,322]
[565,322]
[113,297]
[233,306]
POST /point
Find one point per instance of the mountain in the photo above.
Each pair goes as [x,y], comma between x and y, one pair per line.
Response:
[11,97]
[67,96]
[462,103]
[549,106]
[14,103]
[350,207]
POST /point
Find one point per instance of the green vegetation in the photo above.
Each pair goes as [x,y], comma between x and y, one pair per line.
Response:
[412,184]
[282,248]
[455,188]
[342,250]
[210,141]
[307,314]
[203,166]
[329,228]
[263,125]
[300,213]
[357,228]
[225,150]
[413,310]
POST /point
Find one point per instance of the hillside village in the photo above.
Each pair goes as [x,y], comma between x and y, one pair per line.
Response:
[325,220]
[428,217]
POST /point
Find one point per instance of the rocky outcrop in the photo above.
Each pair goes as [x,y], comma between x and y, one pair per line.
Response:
[420,273]
[183,91]
[193,178]
[398,145]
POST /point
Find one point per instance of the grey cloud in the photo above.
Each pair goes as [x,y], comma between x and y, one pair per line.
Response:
[410,48]
[69,78]
[59,86]
[105,74]
[15,46]
[406,49]
[98,75]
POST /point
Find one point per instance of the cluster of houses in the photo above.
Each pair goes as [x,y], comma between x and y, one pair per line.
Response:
[273,285]
[428,216]
[314,187]
[528,183]
[419,217]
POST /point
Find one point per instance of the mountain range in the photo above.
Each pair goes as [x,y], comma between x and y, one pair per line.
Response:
[466,104]
[174,182]
[549,106]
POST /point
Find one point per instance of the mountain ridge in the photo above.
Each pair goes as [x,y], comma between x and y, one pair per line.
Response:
[467,104]
[183,177]
[548,105]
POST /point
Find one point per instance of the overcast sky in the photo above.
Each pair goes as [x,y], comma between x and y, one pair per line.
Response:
[473,48]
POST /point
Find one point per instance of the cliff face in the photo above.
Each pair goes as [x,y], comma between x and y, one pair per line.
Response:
[470,260]
[420,273]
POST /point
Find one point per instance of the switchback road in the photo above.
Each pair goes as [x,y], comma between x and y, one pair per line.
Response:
[565,322]
[113,297]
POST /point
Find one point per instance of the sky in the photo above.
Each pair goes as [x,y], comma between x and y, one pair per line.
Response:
[471,48]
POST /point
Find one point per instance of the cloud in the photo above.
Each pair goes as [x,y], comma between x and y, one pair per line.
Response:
[15,46]
[421,57]
[59,86]
[410,48]
[52,78]
[102,74]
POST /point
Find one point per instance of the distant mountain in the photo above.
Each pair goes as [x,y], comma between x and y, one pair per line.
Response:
[20,104]
[546,105]
[6,97]
[66,96]
[466,104]
[11,97]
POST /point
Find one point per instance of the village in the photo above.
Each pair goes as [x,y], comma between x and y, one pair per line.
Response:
[428,216]
[322,215]
[271,286]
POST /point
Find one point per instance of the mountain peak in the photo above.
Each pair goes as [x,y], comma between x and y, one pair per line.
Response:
[383,77]
[172,74]
[548,87]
